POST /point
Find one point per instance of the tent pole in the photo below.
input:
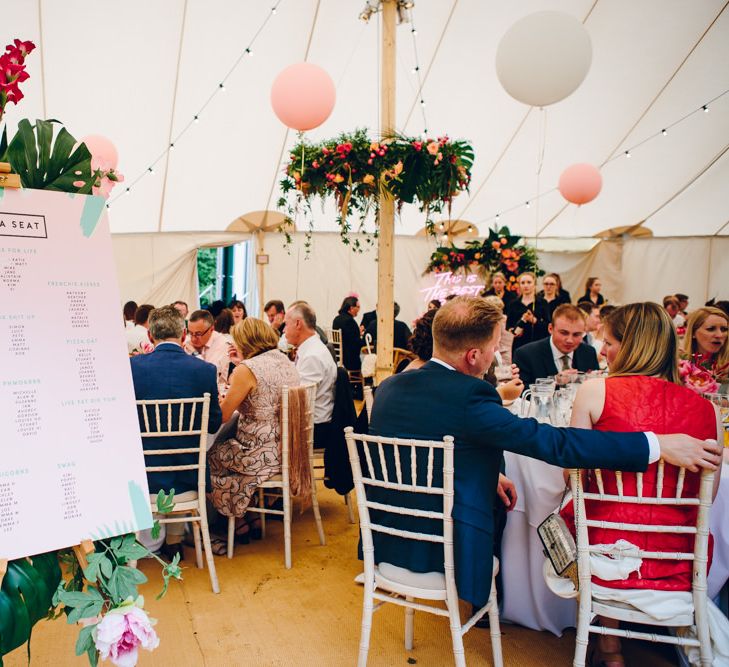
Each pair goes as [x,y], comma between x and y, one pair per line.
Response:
[385,246]
[261,270]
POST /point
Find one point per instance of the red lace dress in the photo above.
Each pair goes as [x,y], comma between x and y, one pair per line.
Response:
[639,403]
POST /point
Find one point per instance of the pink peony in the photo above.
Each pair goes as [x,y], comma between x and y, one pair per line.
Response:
[433,148]
[697,378]
[122,631]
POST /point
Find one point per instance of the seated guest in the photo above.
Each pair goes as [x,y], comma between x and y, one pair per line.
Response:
[275,312]
[592,292]
[420,343]
[314,363]
[182,308]
[351,337]
[239,311]
[367,318]
[599,337]
[165,373]
[507,338]
[721,305]
[643,372]
[224,323]
[592,324]
[563,352]
[527,317]
[550,292]
[433,304]
[447,397]
[673,307]
[706,342]
[138,336]
[206,343]
[401,333]
[683,302]
[130,307]
[238,465]
[498,288]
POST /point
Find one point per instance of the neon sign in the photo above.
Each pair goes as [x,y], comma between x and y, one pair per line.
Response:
[447,283]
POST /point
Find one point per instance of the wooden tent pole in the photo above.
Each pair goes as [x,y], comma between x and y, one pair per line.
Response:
[385,247]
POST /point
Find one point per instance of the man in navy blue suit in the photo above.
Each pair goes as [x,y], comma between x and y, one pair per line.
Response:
[448,397]
[563,352]
[169,372]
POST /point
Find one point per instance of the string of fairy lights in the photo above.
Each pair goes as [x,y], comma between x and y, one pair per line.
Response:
[416,70]
[627,153]
[245,54]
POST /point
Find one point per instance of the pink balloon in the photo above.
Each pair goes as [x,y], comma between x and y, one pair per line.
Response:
[102,150]
[580,183]
[303,96]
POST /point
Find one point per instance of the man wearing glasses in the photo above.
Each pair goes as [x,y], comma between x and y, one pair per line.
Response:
[207,344]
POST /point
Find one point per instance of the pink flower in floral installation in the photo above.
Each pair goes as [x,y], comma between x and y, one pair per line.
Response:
[433,148]
[697,378]
[121,632]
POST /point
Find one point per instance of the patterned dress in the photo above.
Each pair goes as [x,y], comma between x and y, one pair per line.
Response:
[240,464]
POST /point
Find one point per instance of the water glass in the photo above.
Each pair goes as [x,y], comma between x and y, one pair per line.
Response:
[503,372]
[721,401]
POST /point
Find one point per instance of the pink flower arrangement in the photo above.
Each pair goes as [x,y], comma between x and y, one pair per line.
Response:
[12,72]
[697,377]
[105,177]
[122,631]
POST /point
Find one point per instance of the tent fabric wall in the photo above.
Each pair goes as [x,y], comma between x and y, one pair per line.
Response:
[162,268]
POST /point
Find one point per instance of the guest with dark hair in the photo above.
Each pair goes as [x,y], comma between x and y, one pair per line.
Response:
[239,311]
[683,302]
[420,343]
[434,304]
[224,323]
[721,305]
[592,291]
[351,339]
[137,337]
[673,307]
[401,333]
[275,312]
[592,324]
[130,307]
[216,307]
[551,293]
[204,342]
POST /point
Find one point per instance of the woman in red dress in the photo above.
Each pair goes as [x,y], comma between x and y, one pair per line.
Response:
[643,393]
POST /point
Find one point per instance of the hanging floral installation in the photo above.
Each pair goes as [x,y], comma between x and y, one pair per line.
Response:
[500,251]
[356,171]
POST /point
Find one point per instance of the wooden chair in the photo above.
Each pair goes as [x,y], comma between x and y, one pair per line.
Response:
[398,585]
[335,338]
[318,475]
[589,606]
[280,484]
[167,418]
[398,355]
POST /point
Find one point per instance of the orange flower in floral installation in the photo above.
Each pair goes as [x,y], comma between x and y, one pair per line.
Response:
[495,245]
[433,148]
[503,241]
[477,255]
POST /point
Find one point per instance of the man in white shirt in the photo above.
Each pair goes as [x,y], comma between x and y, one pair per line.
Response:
[314,363]
[207,344]
[137,337]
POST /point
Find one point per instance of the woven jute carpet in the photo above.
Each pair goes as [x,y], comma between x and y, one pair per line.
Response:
[309,615]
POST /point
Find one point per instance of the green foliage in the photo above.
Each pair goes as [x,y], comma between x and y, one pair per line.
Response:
[25,597]
[500,251]
[47,164]
[358,172]
[207,268]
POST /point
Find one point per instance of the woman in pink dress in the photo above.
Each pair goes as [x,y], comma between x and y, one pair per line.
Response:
[238,465]
[643,392]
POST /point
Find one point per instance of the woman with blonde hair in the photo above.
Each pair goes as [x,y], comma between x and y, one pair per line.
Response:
[643,392]
[498,288]
[528,316]
[706,342]
[239,464]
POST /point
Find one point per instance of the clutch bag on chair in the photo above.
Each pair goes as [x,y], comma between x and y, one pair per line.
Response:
[559,546]
[369,360]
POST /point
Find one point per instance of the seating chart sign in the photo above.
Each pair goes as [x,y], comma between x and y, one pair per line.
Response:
[71,464]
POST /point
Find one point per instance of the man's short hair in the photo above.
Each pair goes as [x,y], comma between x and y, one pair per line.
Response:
[573,313]
[681,297]
[304,312]
[142,314]
[670,299]
[396,305]
[275,303]
[464,323]
[205,315]
[166,322]
[180,303]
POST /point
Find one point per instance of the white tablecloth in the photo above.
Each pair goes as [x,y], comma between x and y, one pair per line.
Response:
[527,600]
[719,527]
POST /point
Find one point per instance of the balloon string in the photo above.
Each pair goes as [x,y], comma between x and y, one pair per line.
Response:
[541,145]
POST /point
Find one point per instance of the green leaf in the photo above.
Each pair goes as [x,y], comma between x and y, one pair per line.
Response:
[156,528]
[123,583]
[93,655]
[165,503]
[85,640]
[45,164]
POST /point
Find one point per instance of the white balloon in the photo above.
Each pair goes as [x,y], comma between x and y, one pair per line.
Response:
[543,58]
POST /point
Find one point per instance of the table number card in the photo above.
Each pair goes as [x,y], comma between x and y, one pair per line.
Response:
[71,464]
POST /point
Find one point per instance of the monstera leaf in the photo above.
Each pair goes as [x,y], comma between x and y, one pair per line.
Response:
[25,597]
[47,164]
[3,143]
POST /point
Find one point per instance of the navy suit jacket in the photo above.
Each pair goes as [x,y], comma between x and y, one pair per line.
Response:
[432,402]
[535,360]
[169,372]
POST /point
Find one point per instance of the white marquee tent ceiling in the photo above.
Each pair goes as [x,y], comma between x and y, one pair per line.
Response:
[138,71]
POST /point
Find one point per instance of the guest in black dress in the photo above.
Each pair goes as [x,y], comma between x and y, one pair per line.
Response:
[592,292]
[351,339]
[551,293]
[498,288]
[527,317]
